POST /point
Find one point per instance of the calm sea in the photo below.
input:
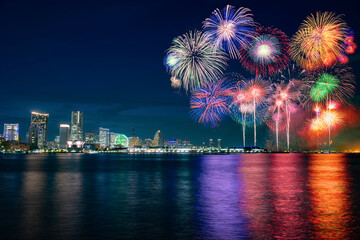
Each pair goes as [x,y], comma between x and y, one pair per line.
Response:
[124,196]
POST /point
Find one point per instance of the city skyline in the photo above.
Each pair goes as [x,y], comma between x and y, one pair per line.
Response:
[97,62]
[105,137]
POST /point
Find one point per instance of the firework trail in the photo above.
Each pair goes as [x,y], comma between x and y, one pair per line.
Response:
[258,91]
[210,104]
[268,52]
[193,59]
[320,41]
[230,29]
[284,100]
[242,106]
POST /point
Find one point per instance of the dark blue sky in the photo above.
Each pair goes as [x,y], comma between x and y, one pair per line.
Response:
[105,58]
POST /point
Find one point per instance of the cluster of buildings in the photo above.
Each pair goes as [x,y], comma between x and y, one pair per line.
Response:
[72,137]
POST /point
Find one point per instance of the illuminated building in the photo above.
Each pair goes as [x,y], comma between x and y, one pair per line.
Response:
[172,143]
[148,142]
[134,142]
[112,139]
[37,136]
[75,145]
[104,137]
[91,138]
[211,143]
[158,139]
[76,126]
[33,137]
[64,135]
[57,141]
[11,131]
[219,143]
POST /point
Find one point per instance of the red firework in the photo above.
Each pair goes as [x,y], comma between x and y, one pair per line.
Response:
[268,52]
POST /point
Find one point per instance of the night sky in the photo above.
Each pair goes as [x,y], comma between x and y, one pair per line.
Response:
[105,58]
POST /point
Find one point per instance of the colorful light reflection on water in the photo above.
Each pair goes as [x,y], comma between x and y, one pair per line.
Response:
[247,196]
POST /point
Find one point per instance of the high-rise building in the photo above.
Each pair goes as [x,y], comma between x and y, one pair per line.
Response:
[219,143]
[158,139]
[104,137]
[11,131]
[38,129]
[211,143]
[112,139]
[64,135]
[76,126]
[33,137]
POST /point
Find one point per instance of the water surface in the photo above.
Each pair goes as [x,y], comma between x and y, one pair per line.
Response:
[154,196]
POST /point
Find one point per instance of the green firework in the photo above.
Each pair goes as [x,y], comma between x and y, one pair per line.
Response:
[318,93]
[328,82]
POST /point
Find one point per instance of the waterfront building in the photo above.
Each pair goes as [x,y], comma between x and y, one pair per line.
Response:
[158,139]
[64,135]
[211,143]
[76,126]
[33,137]
[57,141]
[219,143]
[104,137]
[147,143]
[172,143]
[91,138]
[11,131]
[134,142]
[112,139]
[38,129]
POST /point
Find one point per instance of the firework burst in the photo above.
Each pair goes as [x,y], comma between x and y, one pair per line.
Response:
[319,42]
[336,83]
[284,101]
[268,52]
[242,107]
[194,60]
[230,29]
[210,104]
[258,91]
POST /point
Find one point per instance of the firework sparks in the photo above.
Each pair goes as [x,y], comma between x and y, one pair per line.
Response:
[230,29]
[337,83]
[319,41]
[175,82]
[268,52]
[194,60]
[210,104]
[284,100]
[258,91]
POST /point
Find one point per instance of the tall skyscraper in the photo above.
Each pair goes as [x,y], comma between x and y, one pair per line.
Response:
[158,139]
[211,143]
[219,143]
[76,126]
[38,129]
[11,131]
[104,137]
[64,135]
[33,137]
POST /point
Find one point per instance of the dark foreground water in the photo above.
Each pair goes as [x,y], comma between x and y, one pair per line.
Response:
[121,196]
